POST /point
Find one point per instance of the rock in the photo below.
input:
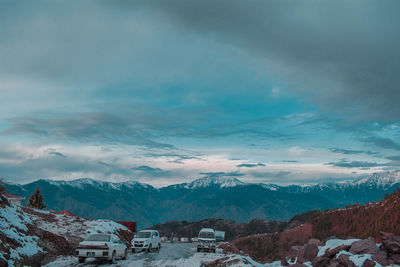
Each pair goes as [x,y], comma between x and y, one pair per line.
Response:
[334,251]
[390,243]
[365,246]
[321,261]
[395,258]
[381,258]
[335,263]
[310,251]
[345,260]
[368,263]
[300,255]
[315,242]
[3,263]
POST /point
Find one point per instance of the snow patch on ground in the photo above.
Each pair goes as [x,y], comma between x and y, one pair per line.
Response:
[334,243]
[13,223]
[68,226]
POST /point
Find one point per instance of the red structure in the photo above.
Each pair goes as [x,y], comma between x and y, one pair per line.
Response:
[66,212]
[130,225]
[14,198]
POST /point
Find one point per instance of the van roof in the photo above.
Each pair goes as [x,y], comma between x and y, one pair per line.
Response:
[207,230]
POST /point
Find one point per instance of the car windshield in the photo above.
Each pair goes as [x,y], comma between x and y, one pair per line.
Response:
[102,238]
[206,235]
[143,235]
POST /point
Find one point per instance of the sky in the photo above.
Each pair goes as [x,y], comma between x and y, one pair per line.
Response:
[164,92]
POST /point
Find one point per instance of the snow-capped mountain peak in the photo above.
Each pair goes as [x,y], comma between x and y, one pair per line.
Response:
[220,181]
[384,179]
[82,182]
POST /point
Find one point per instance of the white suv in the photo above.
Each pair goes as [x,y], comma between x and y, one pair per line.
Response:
[206,240]
[101,246]
[146,240]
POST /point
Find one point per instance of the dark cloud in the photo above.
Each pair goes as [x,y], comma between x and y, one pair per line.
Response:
[277,176]
[147,169]
[383,142]
[343,55]
[234,174]
[251,165]
[349,151]
[95,127]
[345,163]
[394,158]
[58,154]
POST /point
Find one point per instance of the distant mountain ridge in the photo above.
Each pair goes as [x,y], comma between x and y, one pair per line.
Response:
[207,197]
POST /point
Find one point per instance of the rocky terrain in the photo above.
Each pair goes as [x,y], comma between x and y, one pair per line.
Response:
[357,221]
[35,237]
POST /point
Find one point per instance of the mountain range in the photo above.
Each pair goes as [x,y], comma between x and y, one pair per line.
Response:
[207,197]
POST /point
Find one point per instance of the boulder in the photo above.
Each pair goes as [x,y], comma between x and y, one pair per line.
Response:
[284,262]
[315,241]
[345,260]
[321,261]
[395,258]
[365,246]
[381,258]
[390,243]
[310,251]
[335,263]
[3,262]
[334,251]
[368,263]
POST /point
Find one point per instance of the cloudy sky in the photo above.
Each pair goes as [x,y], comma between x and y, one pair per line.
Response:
[164,92]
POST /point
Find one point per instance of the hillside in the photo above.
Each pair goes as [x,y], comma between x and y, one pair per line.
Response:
[356,221]
[35,237]
[208,197]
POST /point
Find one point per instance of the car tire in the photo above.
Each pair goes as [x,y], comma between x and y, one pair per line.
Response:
[149,249]
[213,250]
[133,250]
[198,250]
[112,260]
[82,260]
[158,247]
[125,254]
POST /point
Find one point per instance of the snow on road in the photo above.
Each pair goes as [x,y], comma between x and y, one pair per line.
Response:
[170,255]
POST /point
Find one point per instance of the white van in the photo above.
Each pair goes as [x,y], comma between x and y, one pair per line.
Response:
[206,240]
[146,240]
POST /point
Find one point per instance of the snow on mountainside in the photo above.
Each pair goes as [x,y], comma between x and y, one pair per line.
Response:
[219,181]
[29,236]
[380,179]
[82,182]
[383,180]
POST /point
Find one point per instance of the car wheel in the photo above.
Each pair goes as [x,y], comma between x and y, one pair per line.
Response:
[133,250]
[149,249]
[82,260]
[213,250]
[158,247]
[198,250]
[112,260]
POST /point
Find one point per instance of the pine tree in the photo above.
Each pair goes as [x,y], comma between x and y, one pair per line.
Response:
[36,200]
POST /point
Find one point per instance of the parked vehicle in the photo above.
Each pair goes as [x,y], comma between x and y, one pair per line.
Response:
[146,240]
[101,246]
[206,240]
